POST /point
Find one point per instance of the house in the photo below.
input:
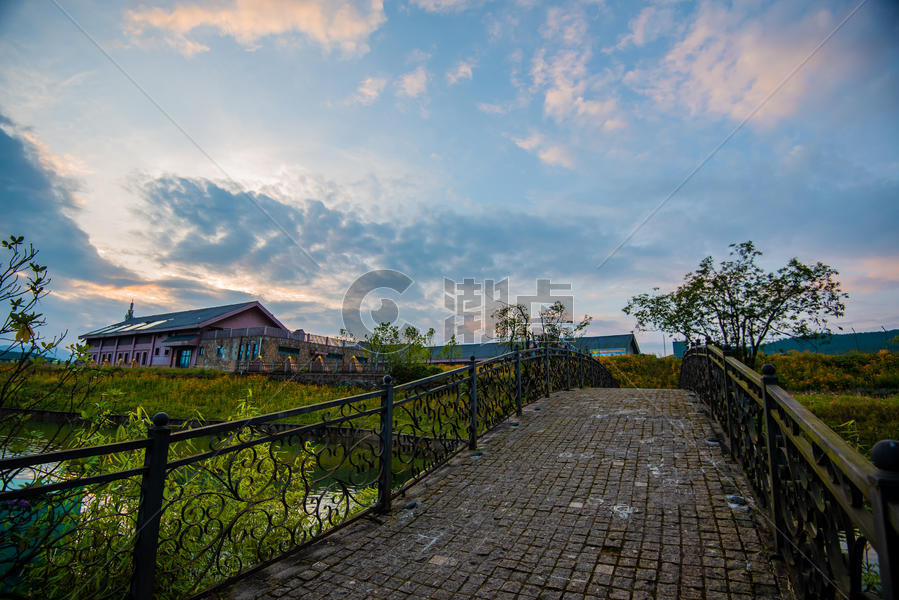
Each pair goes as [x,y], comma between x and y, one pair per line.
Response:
[235,337]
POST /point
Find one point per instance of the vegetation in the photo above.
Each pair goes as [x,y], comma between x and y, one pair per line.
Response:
[405,352]
[180,393]
[860,420]
[23,283]
[644,370]
[221,515]
[737,304]
[870,373]
[515,325]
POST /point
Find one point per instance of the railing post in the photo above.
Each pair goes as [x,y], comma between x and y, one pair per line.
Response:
[567,370]
[386,472]
[774,490]
[149,513]
[727,405]
[885,456]
[518,382]
[472,404]
[546,368]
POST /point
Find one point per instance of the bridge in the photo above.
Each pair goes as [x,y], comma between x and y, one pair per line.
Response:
[529,475]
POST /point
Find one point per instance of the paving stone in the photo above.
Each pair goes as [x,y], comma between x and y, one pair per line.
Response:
[603,493]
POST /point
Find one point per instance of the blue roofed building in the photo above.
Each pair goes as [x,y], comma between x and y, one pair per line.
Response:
[596,345]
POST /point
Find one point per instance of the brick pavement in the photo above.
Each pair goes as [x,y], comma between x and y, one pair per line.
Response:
[596,493]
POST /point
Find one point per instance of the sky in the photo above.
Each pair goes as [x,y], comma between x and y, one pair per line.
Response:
[191,153]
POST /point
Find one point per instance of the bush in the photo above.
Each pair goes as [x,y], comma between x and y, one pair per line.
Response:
[644,370]
[799,372]
[403,373]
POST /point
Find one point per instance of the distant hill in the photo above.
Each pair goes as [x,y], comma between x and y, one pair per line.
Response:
[840,343]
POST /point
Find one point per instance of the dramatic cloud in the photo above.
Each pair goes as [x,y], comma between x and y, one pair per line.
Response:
[414,83]
[461,71]
[369,90]
[37,202]
[344,25]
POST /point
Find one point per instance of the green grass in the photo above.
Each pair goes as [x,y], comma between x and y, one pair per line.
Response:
[177,392]
[860,420]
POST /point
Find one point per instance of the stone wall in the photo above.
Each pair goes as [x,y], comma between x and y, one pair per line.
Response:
[223,354]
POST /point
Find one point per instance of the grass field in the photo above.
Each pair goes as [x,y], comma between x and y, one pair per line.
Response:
[178,392]
[856,395]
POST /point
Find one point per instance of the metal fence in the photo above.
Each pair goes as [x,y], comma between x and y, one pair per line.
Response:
[181,512]
[275,332]
[827,503]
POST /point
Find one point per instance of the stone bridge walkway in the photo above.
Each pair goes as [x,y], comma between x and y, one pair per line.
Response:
[596,493]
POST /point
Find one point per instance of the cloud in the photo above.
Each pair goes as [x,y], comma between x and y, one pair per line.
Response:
[443,6]
[414,83]
[652,23]
[566,82]
[569,26]
[462,70]
[344,25]
[369,90]
[37,204]
[730,60]
[550,153]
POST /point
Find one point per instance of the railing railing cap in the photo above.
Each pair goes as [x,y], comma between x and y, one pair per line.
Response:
[885,455]
[160,419]
[387,380]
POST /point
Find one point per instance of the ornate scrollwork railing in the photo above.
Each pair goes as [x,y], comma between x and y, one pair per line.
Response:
[827,504]
[180,512]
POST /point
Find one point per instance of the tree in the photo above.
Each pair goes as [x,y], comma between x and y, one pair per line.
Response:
[738,305]
[23,283]
[405,351]
[558,326]
[515,327]
[451,349]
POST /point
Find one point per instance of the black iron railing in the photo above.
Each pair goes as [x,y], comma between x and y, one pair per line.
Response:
[829,506]
[180,512]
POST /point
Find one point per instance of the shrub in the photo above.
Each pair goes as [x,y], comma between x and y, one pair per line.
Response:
[644,370]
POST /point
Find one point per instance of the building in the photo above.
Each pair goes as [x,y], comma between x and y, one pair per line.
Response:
[596,345]
[236,337]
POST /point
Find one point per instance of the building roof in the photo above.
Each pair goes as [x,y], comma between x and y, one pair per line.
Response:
[175,321]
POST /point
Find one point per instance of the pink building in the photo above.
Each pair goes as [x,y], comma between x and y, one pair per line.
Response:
[230,338]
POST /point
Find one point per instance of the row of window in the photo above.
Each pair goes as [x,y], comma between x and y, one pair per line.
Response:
[140,357]
[243,351]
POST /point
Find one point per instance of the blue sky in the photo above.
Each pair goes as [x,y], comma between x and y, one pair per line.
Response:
[443,139]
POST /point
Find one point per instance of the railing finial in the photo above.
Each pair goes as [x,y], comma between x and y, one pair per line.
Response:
[160,419]
[769,374]
[885,455]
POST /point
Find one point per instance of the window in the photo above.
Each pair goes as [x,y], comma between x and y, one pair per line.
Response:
[201,351]
[156,352]
[255,354]
[143,360]
[239,351]
[220,351]
[126,357]
[290,351]
[166,351]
